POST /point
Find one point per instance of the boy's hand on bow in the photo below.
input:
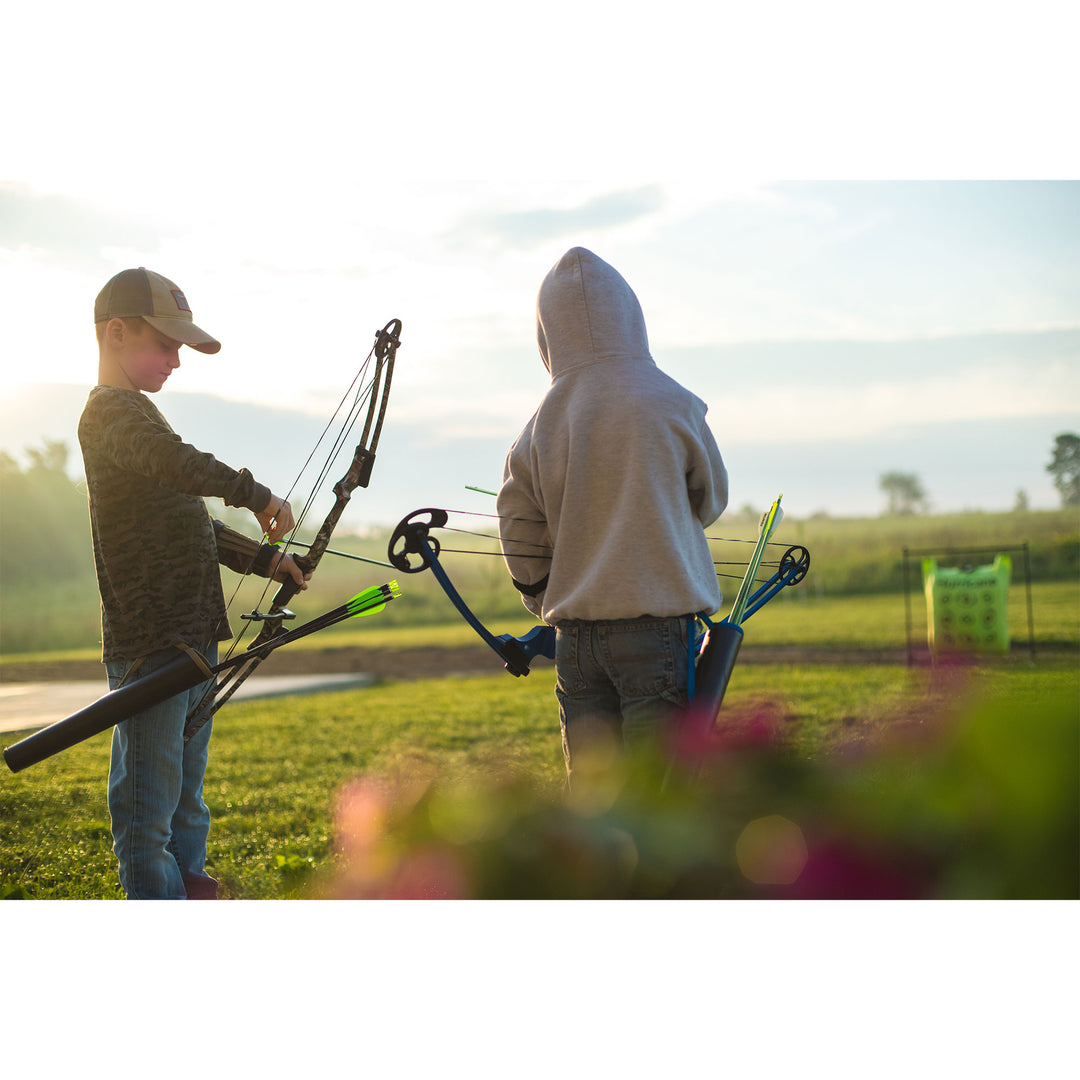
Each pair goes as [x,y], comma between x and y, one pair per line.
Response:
[276,520]
[283,568]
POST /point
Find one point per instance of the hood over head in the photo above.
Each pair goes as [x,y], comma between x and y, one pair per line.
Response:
[587,313]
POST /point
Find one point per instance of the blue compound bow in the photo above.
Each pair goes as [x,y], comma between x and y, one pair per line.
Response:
[413,537]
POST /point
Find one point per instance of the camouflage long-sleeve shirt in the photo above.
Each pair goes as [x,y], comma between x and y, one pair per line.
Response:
[156,548]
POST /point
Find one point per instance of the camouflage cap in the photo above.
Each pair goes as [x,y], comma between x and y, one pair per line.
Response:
[155,298]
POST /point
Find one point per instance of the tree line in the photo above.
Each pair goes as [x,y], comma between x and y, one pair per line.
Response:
[906,495]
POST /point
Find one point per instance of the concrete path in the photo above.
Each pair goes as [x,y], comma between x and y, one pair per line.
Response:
[34,705]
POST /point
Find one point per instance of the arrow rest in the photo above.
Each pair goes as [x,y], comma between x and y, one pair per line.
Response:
[260,616]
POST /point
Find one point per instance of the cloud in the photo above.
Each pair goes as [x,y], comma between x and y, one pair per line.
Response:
[524,229]
[64,231]
[855,414]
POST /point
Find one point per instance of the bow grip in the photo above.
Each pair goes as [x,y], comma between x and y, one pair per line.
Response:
[519,652]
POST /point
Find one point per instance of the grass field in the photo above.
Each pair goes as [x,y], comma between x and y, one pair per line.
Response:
[481,756]
[794,618]
[889,780]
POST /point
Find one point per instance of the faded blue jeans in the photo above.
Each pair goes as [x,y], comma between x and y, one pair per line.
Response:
[159,819]
[619,683]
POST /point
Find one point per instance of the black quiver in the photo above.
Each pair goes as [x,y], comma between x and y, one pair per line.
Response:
[186,671]
[715,663]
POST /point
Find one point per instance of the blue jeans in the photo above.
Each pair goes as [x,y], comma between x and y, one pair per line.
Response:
[620,683]
[159,819]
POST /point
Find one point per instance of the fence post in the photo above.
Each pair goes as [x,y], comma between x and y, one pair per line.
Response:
[1027,586]
[907,609]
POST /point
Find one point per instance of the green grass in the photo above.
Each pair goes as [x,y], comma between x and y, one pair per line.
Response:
[278,767]
[795,617]
[798,617]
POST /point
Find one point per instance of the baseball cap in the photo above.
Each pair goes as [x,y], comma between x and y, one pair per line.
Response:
[158,300]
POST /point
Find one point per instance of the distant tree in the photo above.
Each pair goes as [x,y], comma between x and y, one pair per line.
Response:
[50,459]
[9,467]
[1065,468]
[1022,502]
[44,525]
[904,492]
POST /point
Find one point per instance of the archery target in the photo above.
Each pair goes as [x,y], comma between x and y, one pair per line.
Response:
[967,607]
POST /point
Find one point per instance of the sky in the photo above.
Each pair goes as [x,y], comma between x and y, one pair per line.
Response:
[854,234]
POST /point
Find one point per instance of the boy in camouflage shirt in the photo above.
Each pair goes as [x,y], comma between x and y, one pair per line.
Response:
[156,552]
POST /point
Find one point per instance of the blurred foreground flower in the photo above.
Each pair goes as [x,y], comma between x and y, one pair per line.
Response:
[984,805]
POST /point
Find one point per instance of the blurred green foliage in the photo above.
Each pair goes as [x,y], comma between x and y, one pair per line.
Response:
[44,523]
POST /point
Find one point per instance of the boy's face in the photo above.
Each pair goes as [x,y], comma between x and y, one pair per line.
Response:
[147,358]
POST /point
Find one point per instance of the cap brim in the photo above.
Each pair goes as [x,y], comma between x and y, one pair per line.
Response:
[184,331]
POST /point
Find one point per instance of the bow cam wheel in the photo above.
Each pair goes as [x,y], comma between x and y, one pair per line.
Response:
[412,537]
[795,562]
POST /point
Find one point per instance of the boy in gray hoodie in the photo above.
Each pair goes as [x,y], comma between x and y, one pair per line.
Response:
[616,475]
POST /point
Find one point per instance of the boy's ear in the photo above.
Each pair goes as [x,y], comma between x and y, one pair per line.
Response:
[114,331]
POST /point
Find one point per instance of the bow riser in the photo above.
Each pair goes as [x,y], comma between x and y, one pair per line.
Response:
[358,475]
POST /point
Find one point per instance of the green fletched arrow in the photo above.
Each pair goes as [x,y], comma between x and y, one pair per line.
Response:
[372,600]
[368,602]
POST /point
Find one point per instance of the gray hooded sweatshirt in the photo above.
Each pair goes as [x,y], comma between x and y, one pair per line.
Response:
[617,474]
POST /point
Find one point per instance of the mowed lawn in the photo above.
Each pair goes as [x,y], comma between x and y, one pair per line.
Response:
[280,770]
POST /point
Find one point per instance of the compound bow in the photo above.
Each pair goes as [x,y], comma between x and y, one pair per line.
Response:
[413,537]
[387,341]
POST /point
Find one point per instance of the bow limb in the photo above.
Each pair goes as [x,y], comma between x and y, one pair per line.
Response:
[387,341]
[412,537]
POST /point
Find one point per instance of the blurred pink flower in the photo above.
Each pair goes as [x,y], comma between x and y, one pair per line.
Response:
[756,726]
[845,869]
[432,873]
